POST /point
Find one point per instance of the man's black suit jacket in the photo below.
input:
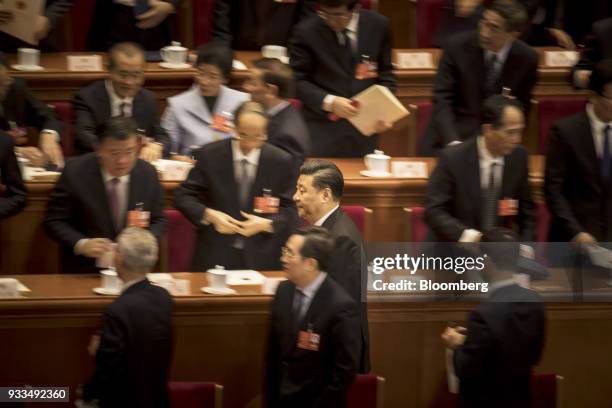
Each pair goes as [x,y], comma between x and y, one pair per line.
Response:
[14,197]
[576,195]
[349,269]
[298,378]
[136,341]
[454,193]
[25,110]
[78,207]
[505,338]
[288,131]
[598,46]
[249,25]
[459,89]
[211,183]
[321,68]
[92,107]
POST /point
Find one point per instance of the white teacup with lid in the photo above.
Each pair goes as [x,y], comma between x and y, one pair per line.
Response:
[377,162]
[175,54]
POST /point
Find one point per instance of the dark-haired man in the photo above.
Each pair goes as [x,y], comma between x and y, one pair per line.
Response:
[271,84]
[335,55]
[121,94]
[312,347]
[598,47]
[99,192]
[483,182]
[476,65]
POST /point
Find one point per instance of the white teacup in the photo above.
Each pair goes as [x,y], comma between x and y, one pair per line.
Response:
[174,54]
[274,51]
[110,280]
[377,162]
[28,57]
[217,277]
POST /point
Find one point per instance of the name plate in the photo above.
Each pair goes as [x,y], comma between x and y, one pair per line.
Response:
[85,63]
[411,169]
[560,58]
[9,288]
[414,60]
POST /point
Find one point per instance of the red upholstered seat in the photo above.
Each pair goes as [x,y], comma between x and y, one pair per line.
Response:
[296,103]
[544,390]
[428,17]
[418,228]
[195,395]
[180,240]
[357,214]
[64,113]
[542,221]
[553,108]
[202,12]
[80,17]
[366,4]
[365,392]
[422,115]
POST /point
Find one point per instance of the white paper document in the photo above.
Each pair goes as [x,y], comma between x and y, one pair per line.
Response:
[23,23]
[376,103]
[600,256]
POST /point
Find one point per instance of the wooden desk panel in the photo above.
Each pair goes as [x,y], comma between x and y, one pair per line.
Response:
[223,339]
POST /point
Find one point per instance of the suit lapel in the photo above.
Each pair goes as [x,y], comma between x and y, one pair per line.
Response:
[587,144]
[98,189]
[259,182]
[507,72]
[473,170]
[135,192]
[226,163]
[138,112]
[332,219]
[331,37]
[478,66]
[195,106]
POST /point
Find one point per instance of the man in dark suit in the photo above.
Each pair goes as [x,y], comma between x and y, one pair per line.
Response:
[312,349]
[14,198]
[249,25]
[134,348]
[20,109]
[578,176]
[271,84]
[474,66]
[238,196]
[121,94]
[335,55]
[317,197]
[598,47]
[483,183]
[146,22]
[98,194]
[494,357]
[43,26]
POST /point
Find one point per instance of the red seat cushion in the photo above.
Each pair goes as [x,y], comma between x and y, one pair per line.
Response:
[553,108]
[423,116]
[417,222]
[428,17]
[363,392]
[366,4]
[180,240]
[544,390]
[192,394]
[296,103]
[64,113]
[202,11]
[80,17]
[357,214]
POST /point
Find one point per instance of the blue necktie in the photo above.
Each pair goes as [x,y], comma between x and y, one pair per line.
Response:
[606,160]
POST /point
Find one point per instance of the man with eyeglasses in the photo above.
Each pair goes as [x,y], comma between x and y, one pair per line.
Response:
[121,94]
[19,109]
[578,177]
[238,196]
[476,65]
[335,55]
[101,193]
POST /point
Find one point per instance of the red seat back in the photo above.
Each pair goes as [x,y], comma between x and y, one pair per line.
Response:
[422,118]
[64,113]
[428,17]
[363,393]
[357,214]
[418,231]
[180,241]
[80,17]
[202,12]
[544,391]
[366,4]
[193,395]
[553,108]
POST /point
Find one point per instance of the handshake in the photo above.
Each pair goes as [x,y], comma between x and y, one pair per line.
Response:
[226,224]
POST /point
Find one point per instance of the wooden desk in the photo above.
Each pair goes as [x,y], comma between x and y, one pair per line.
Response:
[222,339]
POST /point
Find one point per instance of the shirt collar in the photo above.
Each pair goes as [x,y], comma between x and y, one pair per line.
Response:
[108,177]
[252,157]
[114,98]
[273,111]
[354,23]
[502,54]
[484,155]
[597,124]
[310,290]
[324,218]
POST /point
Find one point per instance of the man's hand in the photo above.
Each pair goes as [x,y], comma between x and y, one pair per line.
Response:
[94,343]
[582,78]
[223,223]
[157,13]
[454,337]
[34,155]
[343,108]
[151,152]
[50,147]
[584,238]
[382,126]
[95,247]
[254,225]
[6,16]
[562,38]
[41,27]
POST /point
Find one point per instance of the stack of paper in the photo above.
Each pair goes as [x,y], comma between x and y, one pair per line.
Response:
[376,103]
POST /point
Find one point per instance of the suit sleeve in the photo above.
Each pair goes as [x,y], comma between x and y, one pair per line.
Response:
[273,360]
[287,218]
[527,84]
[56,10]
[385,67]
[471,359]
[171,125]
[592,53]
[346,335]
[526,218]
[60,211]
[348,266]
[222,28]
[438,201]
[85,124]
[38,114]
[187,196]
[158,220]
[444,89]
[15,196]
[157,132]
[554,180]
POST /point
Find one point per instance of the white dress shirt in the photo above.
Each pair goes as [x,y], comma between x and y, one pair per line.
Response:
[502,56]
[597,129]
[275,110]
[252,158]
[116,101]
[310,291]
[324,218]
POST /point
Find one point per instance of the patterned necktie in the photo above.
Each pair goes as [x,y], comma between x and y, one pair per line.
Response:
[606,160]
[489,215]
[298,302]
[244,184]
[113,198]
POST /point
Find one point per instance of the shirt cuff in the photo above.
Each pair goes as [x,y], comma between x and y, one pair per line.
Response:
[328,101]
[57,138]
[470,235]
[79,245]
[204,220]
[526,251]
[454,142]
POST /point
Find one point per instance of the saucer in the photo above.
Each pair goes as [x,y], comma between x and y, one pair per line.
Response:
[106,292]
[19,67]
[368,173]
[170,65]
[218,291]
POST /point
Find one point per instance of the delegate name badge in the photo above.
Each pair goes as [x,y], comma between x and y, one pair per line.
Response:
[222,123]
[366,69]
[266,204]
[507,207]
[138,217]
[309,340]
